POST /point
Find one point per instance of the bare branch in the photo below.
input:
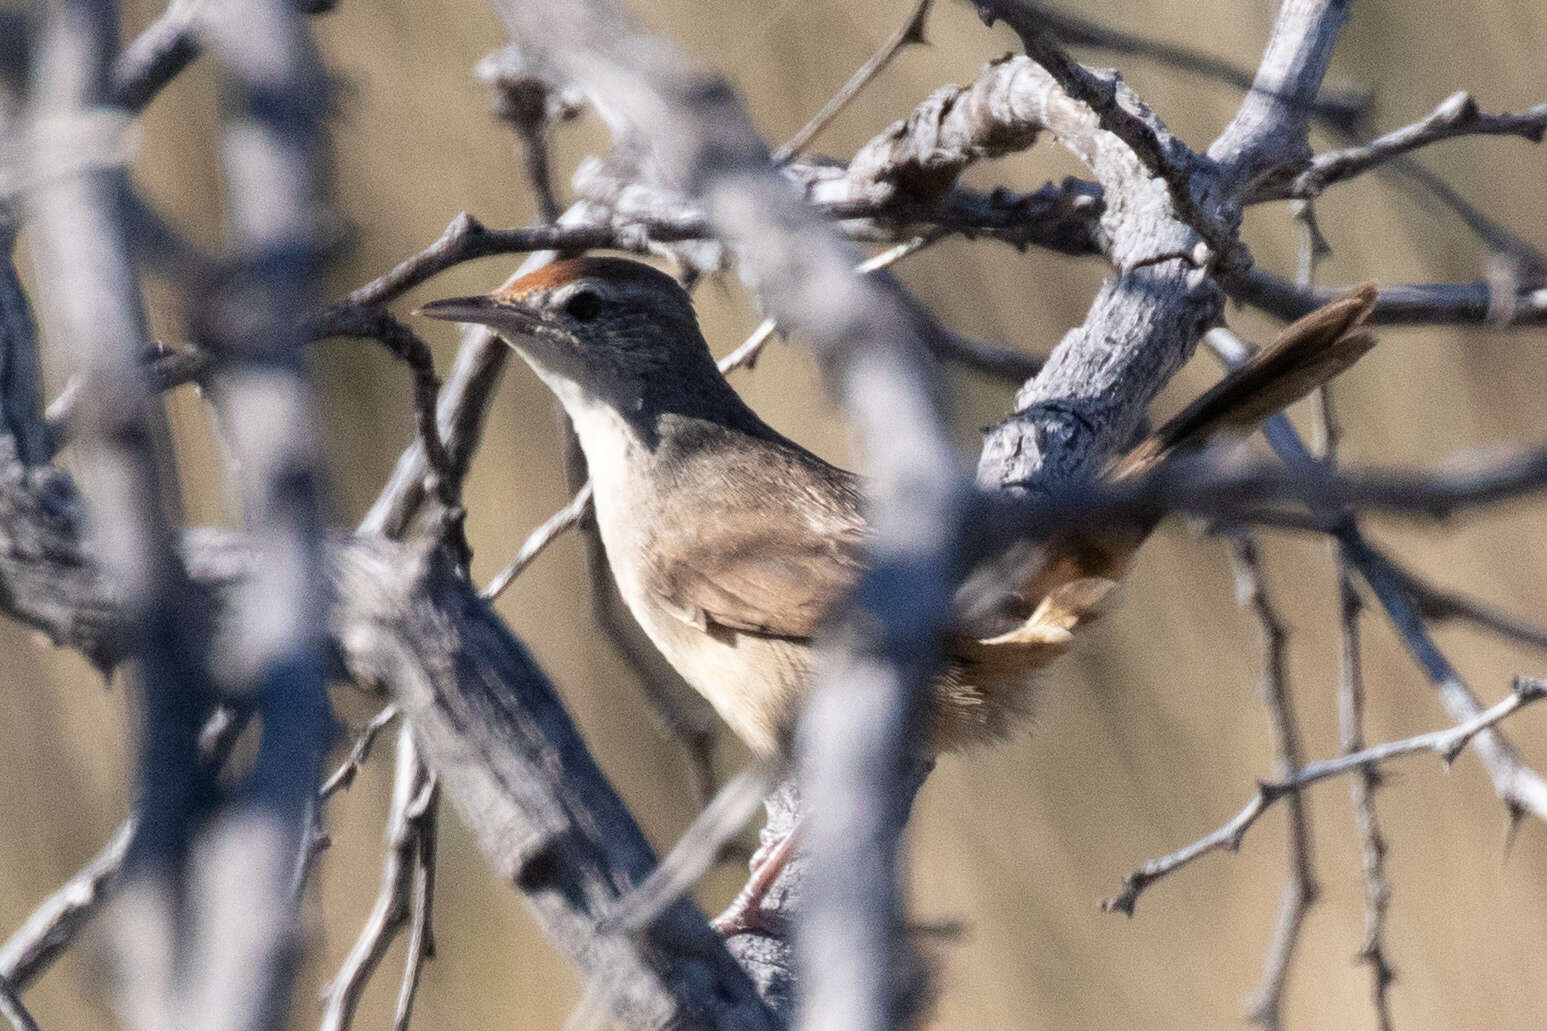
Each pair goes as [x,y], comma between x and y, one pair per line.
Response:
[1121,113]
[94,309]
[167,46]
[1447,744]
[421,937]
[1418,304]
[910,32]
[1439,604]
[497,736]
[1458,115]
[19,374]
[529,98]
[1340,111]
[1300,889]
[539,539]
[376,323]
[156,56]
[1361,789]
[1521,788]
[411,819]
[12,1009]
[241,930]
[57,921]
[1267,136]
[364,738]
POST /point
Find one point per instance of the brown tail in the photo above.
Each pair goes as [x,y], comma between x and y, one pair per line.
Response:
[1305,355]
[989,681]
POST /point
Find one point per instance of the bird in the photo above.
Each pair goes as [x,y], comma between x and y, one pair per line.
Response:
[733,546]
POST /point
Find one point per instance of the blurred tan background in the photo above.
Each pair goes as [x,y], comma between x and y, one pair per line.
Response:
[1149,737]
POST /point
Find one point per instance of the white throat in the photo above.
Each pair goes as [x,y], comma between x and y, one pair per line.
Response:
[608,440]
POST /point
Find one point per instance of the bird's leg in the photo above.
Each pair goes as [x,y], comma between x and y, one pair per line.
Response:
[745,913]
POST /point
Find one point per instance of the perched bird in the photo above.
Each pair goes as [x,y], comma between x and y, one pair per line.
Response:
[731,544]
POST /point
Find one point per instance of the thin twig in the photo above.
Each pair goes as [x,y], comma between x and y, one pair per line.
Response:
[1440,605]
[1300,890]
[1399,304]
[421,935]
[910,32]
[359,751]
[376,323]
[529,98]
[57,921]
[1458,115]
[1447,744]
[1522,789]
[411,818]
[746,355]
[573,511]
[1361,790]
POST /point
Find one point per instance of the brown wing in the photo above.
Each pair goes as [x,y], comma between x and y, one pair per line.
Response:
[731,569]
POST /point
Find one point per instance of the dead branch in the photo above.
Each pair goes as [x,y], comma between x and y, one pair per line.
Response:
[907,34]
[1447,744]
[1458,115]
[410,822]
[1300,888]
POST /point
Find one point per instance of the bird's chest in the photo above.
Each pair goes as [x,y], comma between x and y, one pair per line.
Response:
[754,682]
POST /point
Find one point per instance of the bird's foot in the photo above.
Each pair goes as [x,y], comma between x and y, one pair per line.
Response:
[746,912]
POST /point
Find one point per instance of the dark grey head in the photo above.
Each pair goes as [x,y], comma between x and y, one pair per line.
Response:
[615,330]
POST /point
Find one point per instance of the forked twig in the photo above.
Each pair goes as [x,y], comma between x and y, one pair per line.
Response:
[398,902]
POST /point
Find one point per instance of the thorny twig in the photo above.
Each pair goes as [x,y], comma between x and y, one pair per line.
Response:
[1361,788]
[1300,890]
[1522,789]
[1447,744]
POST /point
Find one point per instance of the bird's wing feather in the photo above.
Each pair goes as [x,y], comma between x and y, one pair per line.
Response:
[758,570]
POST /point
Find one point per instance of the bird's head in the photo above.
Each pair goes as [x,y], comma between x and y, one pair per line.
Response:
[603,330]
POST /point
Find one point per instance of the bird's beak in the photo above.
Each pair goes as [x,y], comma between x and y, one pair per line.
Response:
[485,310]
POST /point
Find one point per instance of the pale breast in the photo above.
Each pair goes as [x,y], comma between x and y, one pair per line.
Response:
[754,682]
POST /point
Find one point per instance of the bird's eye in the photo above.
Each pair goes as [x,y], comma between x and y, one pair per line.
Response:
[583,306]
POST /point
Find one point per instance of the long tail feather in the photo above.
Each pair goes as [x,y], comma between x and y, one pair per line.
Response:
[991,676]
[1305,355]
